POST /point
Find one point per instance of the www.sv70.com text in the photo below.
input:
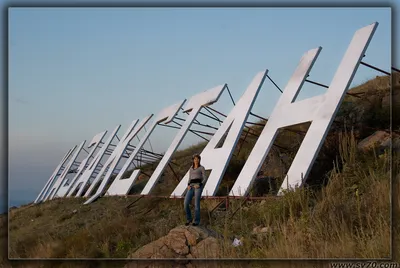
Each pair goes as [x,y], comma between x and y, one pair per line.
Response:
[367,264]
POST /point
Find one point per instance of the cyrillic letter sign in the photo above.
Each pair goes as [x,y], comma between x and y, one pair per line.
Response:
[321,110]
[217,159]
[194,105]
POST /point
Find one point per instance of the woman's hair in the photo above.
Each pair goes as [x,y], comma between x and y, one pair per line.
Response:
[195,156]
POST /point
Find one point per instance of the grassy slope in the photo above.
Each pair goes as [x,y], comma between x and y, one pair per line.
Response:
[349,217]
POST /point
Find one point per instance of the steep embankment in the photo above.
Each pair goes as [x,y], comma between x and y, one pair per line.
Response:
[344,212]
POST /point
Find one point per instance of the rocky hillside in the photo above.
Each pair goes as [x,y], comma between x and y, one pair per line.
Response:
[343,212]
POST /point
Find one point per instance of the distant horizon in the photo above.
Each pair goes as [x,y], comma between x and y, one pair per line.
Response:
[100,70]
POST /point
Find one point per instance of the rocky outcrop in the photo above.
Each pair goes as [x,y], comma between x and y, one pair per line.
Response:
[182,242]
[380,141]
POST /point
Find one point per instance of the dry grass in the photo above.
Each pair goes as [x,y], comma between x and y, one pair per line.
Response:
[102,230]
[347,217]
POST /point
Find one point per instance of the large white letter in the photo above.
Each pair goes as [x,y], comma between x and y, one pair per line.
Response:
[87,174]
[321,110]
[168,115]
[194,105]
[217,159]
[61,179]
[44,191]
[115,157]
[94,145]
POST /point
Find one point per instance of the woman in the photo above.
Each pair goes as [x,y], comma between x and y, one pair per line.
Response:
[197,178]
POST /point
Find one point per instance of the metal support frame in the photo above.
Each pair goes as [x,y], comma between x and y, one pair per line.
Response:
[316,83]
[375,68]
[151,147]
[251,123]
[230,95]
[132,148]
[325,86]
[144,161]
[270,79]
[208,110]
[151,157]
[246,198]
[173,171]
[191,131]
[211,117]
[256,124]
[259,117]
[195,120]
[218,205]
[131,204]
[169,126]
[194,123]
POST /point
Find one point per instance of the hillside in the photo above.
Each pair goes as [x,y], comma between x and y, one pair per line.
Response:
[343,212]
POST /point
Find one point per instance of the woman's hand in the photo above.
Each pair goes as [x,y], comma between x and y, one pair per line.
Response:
[196,186]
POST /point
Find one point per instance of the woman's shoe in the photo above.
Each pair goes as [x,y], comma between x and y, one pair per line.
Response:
[195,224]
[187,223]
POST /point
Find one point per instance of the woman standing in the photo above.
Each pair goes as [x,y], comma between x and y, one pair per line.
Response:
[197,178]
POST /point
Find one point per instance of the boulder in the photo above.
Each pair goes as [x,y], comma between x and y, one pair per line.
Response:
[380,140]
[207,248]
[176,240]
[182,242]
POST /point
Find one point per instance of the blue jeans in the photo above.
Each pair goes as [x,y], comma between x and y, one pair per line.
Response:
[188,199]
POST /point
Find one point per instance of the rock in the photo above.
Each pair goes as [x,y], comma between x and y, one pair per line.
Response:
[148,250]
[182,242]
[374,141]
[200,230]
[385,142]
[192,238]
[207,248]
[189,256]
[176,240]
[396,142]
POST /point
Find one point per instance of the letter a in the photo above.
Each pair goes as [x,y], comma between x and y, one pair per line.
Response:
[217,159]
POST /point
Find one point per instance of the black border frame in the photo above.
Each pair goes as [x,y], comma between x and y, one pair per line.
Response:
[203,4]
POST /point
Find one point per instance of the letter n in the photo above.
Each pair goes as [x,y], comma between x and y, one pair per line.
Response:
[320,110]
